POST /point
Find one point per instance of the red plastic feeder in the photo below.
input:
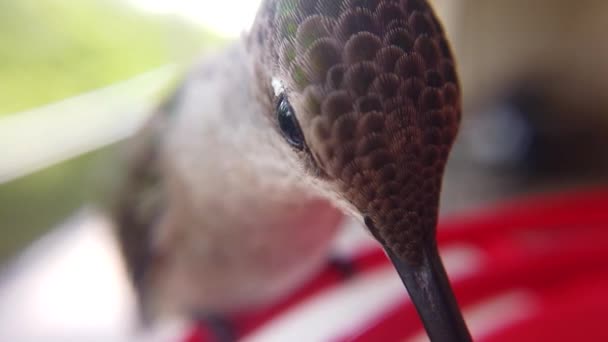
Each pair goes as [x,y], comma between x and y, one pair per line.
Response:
[552,250]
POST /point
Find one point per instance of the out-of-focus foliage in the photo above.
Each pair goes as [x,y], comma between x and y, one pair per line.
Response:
[32,205]
[52,49]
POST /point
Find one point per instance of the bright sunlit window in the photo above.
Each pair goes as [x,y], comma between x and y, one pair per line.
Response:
[226,17]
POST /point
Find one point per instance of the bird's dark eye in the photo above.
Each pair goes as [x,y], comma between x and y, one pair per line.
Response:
[289,123]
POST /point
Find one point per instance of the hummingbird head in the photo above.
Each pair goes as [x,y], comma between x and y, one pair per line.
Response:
[365,94]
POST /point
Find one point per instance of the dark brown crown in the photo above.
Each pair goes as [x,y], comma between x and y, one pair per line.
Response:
[377,96]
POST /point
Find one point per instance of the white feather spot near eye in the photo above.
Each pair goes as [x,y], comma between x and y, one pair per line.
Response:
[277,86]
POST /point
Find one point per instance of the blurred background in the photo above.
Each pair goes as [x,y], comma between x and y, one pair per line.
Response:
[77,77]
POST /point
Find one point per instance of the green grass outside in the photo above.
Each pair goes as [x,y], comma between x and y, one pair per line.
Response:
[31,205]
[53,49]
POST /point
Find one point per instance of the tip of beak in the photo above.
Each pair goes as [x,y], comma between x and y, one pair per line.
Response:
[429,288]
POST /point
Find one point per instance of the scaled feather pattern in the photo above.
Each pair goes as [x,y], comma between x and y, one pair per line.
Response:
[379,103]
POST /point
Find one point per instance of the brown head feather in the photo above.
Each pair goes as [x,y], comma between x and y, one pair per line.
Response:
[376,94]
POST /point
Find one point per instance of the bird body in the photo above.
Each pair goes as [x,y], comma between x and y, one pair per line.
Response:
[350,104]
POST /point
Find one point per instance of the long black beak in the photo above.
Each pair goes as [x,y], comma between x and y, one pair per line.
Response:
[430,291]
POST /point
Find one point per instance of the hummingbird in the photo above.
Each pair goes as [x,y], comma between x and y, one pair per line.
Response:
[239,181]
